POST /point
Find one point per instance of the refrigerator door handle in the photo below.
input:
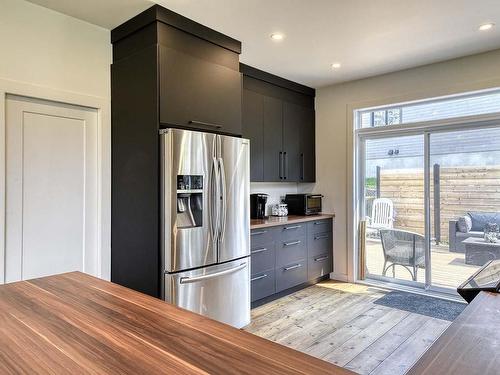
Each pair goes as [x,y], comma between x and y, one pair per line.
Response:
[189,280]
[214,200]
[223,205]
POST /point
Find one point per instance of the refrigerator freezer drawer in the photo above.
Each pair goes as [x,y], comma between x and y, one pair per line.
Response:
[221,292]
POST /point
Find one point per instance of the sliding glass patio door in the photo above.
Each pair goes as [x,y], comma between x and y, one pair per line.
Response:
[393,208]
[426,197]
[465,197]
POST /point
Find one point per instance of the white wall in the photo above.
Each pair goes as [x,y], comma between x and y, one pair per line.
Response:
[43,47]
[48,55]
[334,133]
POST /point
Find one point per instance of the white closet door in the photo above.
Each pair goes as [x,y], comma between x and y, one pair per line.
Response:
[51,189]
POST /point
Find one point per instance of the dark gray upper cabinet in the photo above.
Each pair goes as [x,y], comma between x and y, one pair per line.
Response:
[307,145]
[253,129]
[278,118]
[273,140]
[292,124]
[198,93]
[199,84]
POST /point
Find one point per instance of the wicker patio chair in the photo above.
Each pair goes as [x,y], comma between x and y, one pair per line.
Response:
[403,248]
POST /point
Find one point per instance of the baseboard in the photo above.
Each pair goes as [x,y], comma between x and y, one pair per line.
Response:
[339,277]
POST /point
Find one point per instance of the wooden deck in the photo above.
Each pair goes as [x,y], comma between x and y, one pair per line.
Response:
[340,323]
[448,269]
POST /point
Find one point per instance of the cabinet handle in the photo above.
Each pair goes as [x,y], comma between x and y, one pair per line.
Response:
[258,277]
[285,165]
[292,267]
[291,243]
[258,233]
[280,165]
[258,250]
[321,258]
[293,227]
[321,237]
[318,223]
[301,166]
[194,122]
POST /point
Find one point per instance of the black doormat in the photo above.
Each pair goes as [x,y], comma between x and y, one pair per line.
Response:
[423,305]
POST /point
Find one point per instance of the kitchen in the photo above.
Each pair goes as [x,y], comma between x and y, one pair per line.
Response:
[219,207]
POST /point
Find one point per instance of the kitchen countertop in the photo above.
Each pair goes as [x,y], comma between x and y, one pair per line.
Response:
[273,221]
[469,345]
[75,323]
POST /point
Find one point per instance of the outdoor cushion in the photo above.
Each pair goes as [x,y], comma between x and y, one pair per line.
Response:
[464,224]
[480,219]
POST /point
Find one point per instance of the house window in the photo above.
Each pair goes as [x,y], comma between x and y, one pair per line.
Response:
[431,110]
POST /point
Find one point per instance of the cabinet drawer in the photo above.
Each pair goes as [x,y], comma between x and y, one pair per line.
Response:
[261,237]
[262,285]
[291,275]
[290,251]
[318,266]
[320,226]
[319,243]
[292,231]
[263,258]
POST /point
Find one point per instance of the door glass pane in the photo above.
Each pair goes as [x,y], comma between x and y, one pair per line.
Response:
[465,198]
[394,208]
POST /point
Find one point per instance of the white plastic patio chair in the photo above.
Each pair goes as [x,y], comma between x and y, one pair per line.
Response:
[382,214]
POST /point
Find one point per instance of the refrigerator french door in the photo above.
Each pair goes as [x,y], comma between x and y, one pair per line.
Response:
[205,223]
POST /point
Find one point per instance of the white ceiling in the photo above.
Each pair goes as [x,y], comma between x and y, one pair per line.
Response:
[368,37]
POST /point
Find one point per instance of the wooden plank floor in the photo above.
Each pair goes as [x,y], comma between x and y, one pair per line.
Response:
[340,323]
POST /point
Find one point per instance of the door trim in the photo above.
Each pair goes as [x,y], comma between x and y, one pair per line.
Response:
[103,107]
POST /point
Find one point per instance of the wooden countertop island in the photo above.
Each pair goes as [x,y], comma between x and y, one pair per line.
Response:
[74,323]
[470,345]
[273,221]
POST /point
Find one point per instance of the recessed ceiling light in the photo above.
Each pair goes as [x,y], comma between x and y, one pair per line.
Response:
[277,36]
[336,65]
[486,26]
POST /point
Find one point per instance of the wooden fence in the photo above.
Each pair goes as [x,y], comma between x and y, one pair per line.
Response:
[461,189]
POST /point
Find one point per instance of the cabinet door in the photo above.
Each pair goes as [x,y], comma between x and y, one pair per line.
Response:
[273,139]
[293,115]
[199,94]
[253,129]
[308,146]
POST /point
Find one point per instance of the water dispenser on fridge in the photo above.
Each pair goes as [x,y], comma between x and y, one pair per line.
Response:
[189,201]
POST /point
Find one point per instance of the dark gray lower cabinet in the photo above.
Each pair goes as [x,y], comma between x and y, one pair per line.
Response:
[263,285]
[291,275]
[290,255]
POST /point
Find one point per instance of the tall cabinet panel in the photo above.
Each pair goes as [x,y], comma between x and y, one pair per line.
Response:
[134,173]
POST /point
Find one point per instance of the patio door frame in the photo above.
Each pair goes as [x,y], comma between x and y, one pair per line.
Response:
[426,129]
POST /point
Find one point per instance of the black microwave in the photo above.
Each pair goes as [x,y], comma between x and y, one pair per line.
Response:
[303,204]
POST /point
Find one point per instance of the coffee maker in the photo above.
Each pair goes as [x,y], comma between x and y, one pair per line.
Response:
[258,205]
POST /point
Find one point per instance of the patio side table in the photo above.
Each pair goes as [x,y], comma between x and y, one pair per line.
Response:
[478,252]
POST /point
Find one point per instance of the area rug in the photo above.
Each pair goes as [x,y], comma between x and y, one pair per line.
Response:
[423,305]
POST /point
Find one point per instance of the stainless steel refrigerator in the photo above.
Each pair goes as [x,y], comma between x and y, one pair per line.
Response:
[205,224]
